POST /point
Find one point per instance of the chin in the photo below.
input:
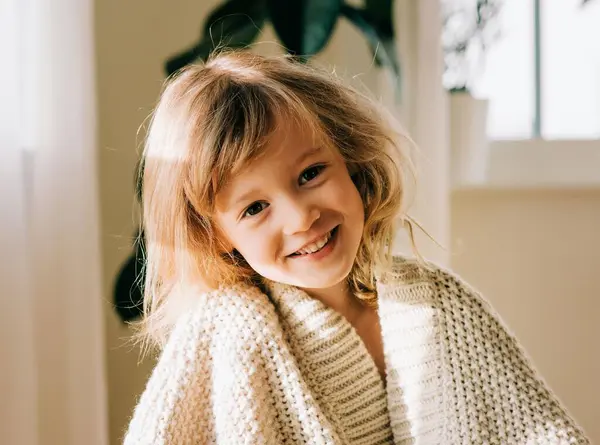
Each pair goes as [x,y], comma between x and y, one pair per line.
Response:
[317,284]
[308,277]
[319,278]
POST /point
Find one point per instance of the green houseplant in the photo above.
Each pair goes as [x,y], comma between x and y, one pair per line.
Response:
[304,27]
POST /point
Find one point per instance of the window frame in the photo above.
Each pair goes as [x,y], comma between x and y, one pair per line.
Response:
[536,162]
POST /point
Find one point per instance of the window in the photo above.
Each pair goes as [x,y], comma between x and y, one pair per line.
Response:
[542,76]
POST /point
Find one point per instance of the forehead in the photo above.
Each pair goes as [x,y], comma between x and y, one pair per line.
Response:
[286,142]
[288,148]
[285,146]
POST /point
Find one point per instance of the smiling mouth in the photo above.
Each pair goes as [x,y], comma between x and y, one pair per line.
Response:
[317,245]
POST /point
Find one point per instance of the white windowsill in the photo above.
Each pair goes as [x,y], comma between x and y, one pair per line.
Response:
[542,164]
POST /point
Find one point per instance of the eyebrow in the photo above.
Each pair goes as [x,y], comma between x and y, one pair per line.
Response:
[243,197]
[302,158]
[308,153]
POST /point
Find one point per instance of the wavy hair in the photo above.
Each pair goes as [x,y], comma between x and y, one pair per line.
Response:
[214,118]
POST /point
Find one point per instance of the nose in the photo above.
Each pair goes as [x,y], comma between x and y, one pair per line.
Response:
[299,217]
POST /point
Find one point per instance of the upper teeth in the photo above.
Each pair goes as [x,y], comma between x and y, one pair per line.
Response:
[316,246]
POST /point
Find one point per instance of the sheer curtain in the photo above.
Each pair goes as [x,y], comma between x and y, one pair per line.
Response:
[52,370]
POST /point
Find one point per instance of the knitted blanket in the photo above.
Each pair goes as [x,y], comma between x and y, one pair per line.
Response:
[250,367]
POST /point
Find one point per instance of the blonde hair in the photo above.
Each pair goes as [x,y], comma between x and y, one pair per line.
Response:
[213,119]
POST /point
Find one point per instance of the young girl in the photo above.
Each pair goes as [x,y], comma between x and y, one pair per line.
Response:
[270,194]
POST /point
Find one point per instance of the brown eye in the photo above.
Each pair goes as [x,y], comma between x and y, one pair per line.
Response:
[310,173]
[255,208]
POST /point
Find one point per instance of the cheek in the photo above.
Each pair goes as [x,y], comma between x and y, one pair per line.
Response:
[255,246]
[348,197]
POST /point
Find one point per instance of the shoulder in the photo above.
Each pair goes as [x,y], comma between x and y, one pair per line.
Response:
[480,355]
[239,315]
[452,305]
[409,278]
[213,347]
[408,270]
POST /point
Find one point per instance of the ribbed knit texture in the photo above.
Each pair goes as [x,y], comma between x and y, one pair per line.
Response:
[336,366]
[244,368]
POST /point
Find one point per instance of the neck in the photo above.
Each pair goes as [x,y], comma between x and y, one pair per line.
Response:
[338,298]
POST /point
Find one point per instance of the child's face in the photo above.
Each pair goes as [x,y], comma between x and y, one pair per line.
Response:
[279,212]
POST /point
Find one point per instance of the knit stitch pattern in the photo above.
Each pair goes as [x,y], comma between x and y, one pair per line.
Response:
[278,367]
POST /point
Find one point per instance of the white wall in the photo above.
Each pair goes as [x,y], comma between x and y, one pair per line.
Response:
[535,254]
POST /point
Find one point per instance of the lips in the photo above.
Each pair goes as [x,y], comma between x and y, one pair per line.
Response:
[315,245]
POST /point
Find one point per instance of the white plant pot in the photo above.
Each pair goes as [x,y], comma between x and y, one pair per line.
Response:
[468,140]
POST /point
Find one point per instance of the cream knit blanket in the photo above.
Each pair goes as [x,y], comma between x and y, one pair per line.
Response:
[247,368]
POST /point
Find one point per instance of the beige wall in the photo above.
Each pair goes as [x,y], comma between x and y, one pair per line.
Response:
[134,38]
[536,256]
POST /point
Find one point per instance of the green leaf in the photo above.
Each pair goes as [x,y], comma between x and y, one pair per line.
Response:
[304,26]
[380,13]
[381,42]
[128,294]
[234,24]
